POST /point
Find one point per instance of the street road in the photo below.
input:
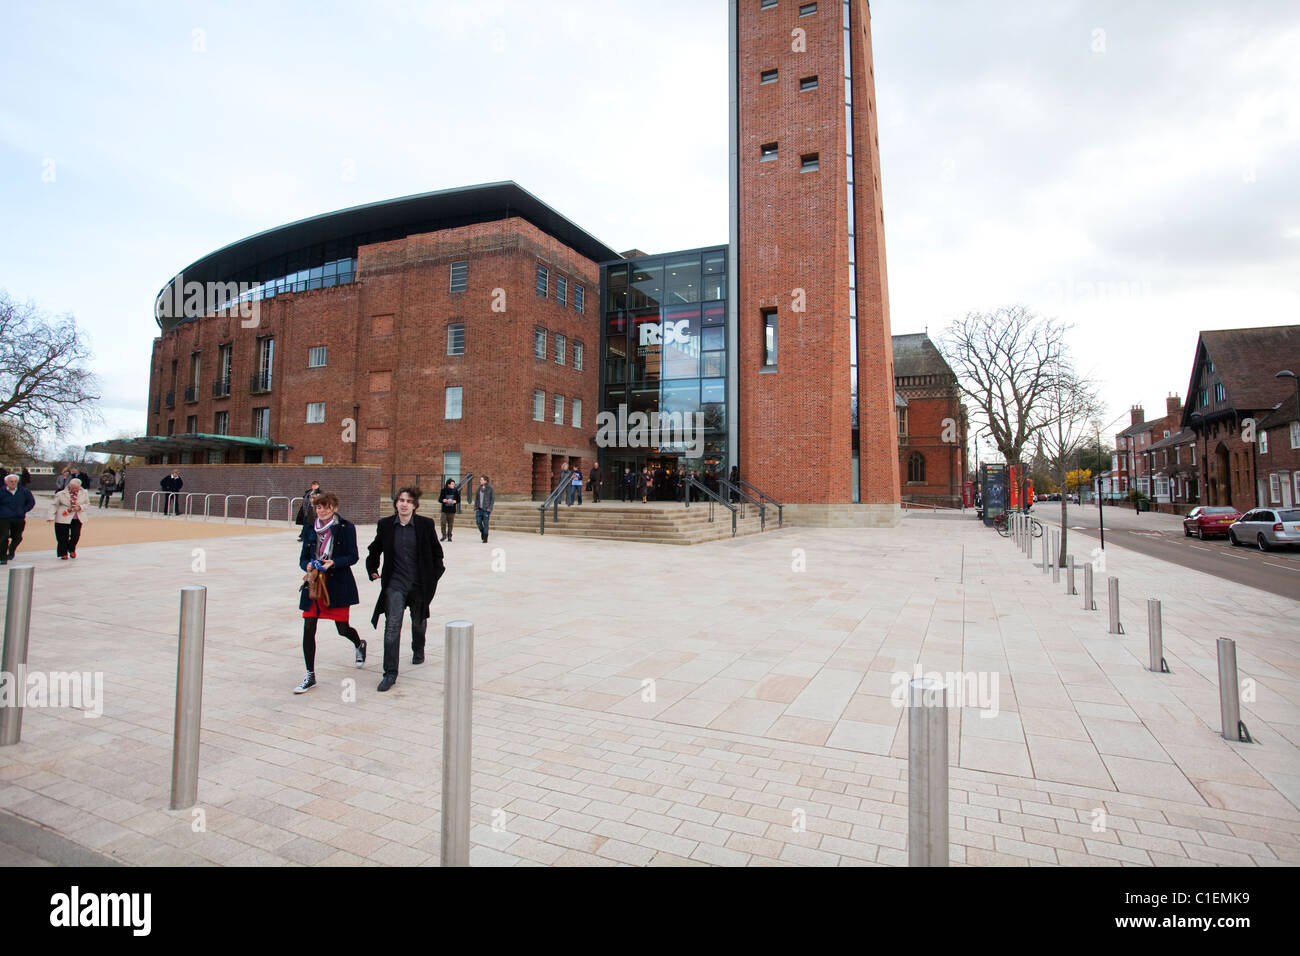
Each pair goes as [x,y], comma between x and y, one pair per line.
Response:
[1161,536]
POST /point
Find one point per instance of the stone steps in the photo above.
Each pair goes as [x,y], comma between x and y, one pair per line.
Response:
[658,523]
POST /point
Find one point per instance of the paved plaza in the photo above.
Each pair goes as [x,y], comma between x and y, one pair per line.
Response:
[727,703]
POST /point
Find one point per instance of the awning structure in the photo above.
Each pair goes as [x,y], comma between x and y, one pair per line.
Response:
[149,445]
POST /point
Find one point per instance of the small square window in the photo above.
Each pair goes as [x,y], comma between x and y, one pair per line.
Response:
[315,413]
[313,459]
[459,276]
[317,357]
[807,83]
[539,343]
[807,9]
[454,398]
[456,339]
[539,405]
[577,356]
[543,281]
[767,152]
[767,4]
[766,77]
[809,163]
[558,419]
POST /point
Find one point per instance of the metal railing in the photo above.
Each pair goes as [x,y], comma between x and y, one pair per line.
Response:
[260,382]
[731,489]
[712,497]
[553,501]
[191,393]
[290,502]
[221,389]
[760,493]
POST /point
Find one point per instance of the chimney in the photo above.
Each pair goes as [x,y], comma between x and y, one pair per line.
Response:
[1173,405]
[1136,415]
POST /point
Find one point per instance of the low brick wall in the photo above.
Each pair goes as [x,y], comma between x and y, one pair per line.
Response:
[360,487]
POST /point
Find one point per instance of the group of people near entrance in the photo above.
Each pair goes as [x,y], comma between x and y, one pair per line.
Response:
[406,558]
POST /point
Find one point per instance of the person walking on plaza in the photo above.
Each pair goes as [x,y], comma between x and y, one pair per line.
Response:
[306,509]
[172,484]
[329,549]
[15,502]
[593,482]
[647,484]
[485,497]
[412,565]
[69,511]
[107,482]
[449,498]
[61,482]
[627,486]
[575,485]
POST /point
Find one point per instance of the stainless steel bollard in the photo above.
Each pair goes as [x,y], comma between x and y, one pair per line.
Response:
[1069,576]
[927,773]
[1046,549]
[189,698]
[1112,600]
[1029,543]
[13,661]
[458,696]
[1229,701]
[1056,560]
[1088,603]
[1155,637]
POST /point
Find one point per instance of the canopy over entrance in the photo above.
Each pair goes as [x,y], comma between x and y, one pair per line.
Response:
[150,446]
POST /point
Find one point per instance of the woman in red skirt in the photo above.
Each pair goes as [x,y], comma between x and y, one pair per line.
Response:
[329,549]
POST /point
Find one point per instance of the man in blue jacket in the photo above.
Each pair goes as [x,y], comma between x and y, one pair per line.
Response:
[15,502]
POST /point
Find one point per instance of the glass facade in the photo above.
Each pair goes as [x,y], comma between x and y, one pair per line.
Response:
[663,355]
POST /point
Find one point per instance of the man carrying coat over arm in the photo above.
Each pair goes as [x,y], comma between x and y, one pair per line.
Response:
[412,566]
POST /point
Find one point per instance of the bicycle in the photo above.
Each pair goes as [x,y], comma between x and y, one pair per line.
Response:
[1003,525]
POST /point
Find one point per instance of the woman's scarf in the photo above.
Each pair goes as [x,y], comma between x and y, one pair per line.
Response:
[325,537]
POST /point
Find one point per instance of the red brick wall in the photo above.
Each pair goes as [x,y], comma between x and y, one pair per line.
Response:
[359,488]
[390,329]
[945,462]
[794,236]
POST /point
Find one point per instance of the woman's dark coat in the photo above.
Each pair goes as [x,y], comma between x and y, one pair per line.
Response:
[340,583]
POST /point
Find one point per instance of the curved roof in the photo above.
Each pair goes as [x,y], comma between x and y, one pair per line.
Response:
[387,220]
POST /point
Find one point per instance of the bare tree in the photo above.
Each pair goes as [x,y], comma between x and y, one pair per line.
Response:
[1070,411]
[45,381]
[1008,362]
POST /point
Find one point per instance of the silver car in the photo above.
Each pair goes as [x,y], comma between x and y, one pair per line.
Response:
[1268,528]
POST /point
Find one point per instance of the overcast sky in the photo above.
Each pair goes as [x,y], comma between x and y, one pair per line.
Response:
[1131,167]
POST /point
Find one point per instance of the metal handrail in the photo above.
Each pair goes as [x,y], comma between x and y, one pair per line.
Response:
[288,502]
[460,487]
[249,500]
[712,496]
[760,493]
[213,494]
[727,486]
[225,505]
[152,495]
[188,496]
[553,500]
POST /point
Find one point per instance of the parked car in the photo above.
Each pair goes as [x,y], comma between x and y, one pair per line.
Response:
[1268,528]
[1205,521]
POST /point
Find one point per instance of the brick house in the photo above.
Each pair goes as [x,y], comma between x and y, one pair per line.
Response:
[1132,459]
[1233,388]
[1171,465]
[931,424]
[1278,454]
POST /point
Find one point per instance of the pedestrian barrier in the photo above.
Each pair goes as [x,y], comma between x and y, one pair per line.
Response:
[13,659]
[458,696]
[1088,603]
[927,773]
[249,500]
[189,698]
[1056,562]
[1069,577]
[1155,637]
[214,494]
[1229,702]
[1112,598]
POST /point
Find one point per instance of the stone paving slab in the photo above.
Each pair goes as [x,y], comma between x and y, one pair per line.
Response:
[728,704]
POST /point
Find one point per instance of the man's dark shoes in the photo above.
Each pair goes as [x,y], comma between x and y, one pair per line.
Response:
[417,657]
[386,683]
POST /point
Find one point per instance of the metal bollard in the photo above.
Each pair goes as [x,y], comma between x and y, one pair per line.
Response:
[1056,561]
[458,696]
[1046,549]
[1155,636]
[1112,599]
[18,623]
[927,773]
[1088,603]
[1069,576]
[189,698]
[1029,543]
[1229,702]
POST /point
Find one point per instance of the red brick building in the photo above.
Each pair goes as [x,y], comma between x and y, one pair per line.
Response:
[931,424]
[1237,407]
[1133,462]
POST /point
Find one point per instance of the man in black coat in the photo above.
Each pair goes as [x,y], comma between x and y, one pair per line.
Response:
[171,484]
[412,566]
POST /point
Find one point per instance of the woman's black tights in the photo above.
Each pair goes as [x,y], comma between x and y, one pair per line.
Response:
[309,639]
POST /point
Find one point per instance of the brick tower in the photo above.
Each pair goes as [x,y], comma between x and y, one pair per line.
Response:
[811,356]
